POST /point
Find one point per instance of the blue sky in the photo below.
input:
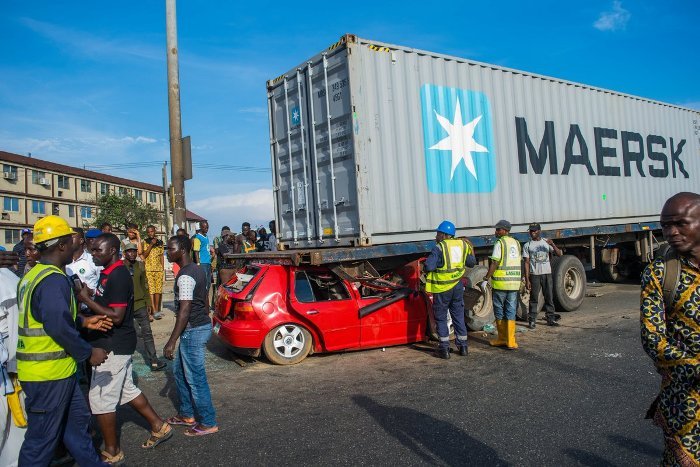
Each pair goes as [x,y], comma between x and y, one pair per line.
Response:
[84,83]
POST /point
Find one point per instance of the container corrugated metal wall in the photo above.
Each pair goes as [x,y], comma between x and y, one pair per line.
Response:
[417,137]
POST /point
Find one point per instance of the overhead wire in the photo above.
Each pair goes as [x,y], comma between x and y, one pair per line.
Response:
[200,165]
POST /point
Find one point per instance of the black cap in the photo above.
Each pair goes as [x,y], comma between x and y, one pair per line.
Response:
[503,224]
[534,226]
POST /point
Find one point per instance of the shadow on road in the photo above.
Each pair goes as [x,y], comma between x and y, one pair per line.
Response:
[429,438]
[587,458]
[637,446]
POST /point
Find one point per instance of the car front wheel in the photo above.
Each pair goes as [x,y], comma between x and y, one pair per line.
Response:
[287,344]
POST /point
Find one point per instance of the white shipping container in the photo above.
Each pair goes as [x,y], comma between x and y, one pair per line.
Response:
[374,143]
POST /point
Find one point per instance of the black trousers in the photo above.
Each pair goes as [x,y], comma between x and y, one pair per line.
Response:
[144,330]
[543,282]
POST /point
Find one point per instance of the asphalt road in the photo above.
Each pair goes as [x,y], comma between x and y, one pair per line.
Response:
[572,395]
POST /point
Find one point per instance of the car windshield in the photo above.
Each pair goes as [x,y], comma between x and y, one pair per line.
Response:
[243,277]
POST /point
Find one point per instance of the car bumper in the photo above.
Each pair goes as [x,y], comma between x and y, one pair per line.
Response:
[244,337]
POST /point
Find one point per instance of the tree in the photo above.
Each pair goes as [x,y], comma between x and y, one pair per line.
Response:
[122,210]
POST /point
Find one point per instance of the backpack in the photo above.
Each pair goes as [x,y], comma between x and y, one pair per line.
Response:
[672,277]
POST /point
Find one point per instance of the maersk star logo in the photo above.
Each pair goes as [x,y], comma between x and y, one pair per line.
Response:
[459,156]
[296,116]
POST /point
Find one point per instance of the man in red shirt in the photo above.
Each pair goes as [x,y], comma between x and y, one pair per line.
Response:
[112,383]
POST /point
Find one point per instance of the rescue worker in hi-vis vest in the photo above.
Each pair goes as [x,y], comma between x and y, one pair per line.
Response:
[47,350]
[445,266]
[504,273]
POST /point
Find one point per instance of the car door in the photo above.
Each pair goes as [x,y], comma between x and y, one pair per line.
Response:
[323,299]
[397,323]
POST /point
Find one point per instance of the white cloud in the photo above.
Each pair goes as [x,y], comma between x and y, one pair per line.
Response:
[232,209]
[91,45]
[254,110]
[613,20]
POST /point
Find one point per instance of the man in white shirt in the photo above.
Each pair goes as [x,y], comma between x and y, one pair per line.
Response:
[83,265]
[9,314]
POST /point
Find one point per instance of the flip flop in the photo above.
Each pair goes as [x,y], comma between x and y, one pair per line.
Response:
[180,420]
[200,430]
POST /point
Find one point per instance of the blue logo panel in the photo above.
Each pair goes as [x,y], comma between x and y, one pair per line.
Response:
[458,136]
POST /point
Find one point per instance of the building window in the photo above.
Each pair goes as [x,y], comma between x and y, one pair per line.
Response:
[138,194]
[86,186]
[12,236]
[37,176]
[104,188]
[86,212]
[38,207]
[10,169]
[63,182]
[122,191]
[71,210]
[152,198]
[10,204]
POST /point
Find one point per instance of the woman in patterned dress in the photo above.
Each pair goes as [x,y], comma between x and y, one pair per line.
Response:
[671,333]
[155,269]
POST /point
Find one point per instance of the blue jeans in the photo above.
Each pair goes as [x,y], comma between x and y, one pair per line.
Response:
[504,303]
[452,301]
[206,267]
[56,410]
[190,375]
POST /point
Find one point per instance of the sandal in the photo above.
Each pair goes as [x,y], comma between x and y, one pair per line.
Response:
[117,459]
[150,318]
[158,437]
[180,420]
[201,430]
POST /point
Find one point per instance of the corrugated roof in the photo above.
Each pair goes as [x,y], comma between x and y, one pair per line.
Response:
[193,217]
[67,169]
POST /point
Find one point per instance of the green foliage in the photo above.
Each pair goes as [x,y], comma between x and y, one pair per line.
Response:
[121,210]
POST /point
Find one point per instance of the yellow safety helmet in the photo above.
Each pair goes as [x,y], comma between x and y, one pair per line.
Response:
[51,227]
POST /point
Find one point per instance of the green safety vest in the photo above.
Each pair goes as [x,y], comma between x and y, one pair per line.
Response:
[507,276]
[39,357]
[454,257]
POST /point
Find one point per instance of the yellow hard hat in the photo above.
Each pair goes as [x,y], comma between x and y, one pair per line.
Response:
[51,227]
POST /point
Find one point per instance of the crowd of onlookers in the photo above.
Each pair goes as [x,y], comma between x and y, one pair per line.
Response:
[72,303]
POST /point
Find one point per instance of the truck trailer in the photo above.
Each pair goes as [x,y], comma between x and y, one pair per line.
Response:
[373,145]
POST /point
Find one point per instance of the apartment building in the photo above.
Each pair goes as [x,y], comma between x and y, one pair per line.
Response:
[31,188]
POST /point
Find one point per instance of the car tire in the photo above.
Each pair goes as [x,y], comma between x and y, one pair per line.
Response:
[569,281]
[478,304]
[287,344]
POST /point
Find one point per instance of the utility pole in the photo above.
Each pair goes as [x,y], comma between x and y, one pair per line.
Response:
[176,163]
[166,200]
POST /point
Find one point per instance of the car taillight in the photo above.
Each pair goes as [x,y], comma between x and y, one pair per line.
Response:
[223,306]
[244,311]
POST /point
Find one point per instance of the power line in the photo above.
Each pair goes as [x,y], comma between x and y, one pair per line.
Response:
[205,166]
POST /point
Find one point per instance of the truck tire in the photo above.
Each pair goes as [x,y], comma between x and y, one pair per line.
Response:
[610,273]
[569,281]
[524,303]
[433,327]
[478,305]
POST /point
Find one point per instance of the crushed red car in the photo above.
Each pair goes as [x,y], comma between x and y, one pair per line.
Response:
[288,312]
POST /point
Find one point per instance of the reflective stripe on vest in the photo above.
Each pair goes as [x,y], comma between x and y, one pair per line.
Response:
[447,276]
[508,274]
[39,357]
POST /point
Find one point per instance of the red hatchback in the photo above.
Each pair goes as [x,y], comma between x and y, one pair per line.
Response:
[288,312]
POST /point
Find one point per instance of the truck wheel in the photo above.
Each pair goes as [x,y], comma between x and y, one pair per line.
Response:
[433,327]
[287,344]
[610,273]
[478,305]
[569,281]
[523,311]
